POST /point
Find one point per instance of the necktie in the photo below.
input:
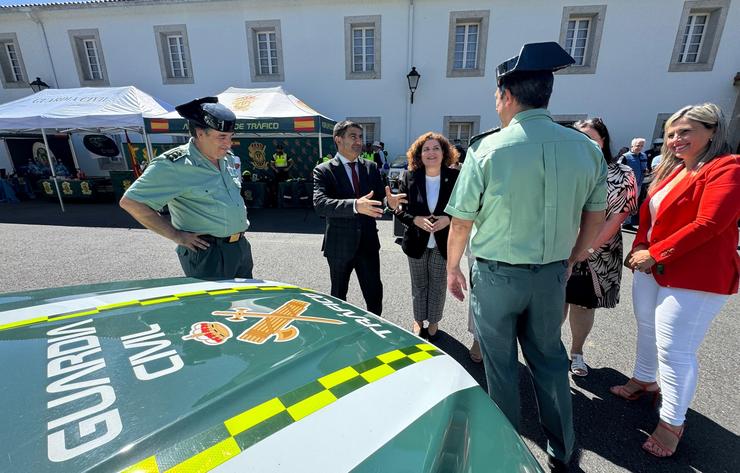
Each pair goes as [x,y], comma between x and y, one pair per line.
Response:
[355,179]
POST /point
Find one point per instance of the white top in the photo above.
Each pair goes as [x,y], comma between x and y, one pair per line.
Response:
[656,200]
[432,184]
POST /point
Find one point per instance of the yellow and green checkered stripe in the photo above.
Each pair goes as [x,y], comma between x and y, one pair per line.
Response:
[209,449]
[142,303]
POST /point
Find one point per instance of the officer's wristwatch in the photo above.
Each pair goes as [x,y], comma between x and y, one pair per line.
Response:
[590,251]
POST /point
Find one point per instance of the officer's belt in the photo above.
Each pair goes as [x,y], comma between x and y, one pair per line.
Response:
[229,239]
[509,265]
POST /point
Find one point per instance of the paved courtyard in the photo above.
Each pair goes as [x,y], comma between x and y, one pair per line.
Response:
[41,247]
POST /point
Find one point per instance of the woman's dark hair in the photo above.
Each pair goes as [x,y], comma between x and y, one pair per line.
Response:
[598,124]
[449,154]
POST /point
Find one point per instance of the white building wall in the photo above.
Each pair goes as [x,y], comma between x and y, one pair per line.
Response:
[630,88]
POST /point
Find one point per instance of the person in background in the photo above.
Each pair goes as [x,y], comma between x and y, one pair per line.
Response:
[535,193]
[596,277]
[656,156]
[686,264]
[637,160]
[427,185]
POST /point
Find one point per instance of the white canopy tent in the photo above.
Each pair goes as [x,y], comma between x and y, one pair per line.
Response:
[103,109]
[267,111]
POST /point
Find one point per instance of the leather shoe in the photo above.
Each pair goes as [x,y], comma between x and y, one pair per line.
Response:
[556,466]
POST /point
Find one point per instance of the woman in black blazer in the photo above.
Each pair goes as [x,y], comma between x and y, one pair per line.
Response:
[428,185]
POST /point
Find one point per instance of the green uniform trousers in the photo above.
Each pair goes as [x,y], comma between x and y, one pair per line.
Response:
[221,260]
[525,303]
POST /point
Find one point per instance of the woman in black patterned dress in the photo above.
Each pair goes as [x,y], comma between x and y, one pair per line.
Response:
[596,277]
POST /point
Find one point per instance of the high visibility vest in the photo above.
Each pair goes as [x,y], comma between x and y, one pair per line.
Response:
[327,158]
[281,160]
[368,156]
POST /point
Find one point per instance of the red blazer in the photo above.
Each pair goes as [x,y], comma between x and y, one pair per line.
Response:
[695,233]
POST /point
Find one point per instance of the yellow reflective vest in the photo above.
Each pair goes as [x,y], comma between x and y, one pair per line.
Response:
[281,160]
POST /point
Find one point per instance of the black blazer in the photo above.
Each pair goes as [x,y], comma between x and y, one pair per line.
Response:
[333,198]
[414,185]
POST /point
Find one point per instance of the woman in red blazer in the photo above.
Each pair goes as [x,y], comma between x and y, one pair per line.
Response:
[686,262]
[427,184]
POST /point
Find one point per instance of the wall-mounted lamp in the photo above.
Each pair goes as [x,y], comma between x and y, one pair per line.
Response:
[413,78]
[38,85]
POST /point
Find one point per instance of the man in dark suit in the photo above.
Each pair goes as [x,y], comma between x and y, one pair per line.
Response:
[344,188]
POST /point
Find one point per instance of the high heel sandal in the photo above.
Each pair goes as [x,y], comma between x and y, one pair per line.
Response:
[643,390]
[655,448]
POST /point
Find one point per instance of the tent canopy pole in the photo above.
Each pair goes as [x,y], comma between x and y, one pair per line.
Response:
[51,166]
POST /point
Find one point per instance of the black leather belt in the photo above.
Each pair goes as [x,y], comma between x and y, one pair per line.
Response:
[229,239]
[502,263]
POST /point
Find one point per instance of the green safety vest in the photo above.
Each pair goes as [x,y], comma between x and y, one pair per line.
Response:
[281,160]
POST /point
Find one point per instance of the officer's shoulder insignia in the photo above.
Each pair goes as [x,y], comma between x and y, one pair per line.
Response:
[175,153]
[480,136]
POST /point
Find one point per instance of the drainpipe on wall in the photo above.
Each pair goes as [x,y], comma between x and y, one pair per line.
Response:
[35,18]
[409,63]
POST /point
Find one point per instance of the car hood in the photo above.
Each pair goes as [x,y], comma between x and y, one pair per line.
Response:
[188,375]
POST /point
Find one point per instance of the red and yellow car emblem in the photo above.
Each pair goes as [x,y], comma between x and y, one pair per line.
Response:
[209,333]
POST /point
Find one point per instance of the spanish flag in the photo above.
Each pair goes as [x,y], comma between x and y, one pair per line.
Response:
[303,124]
[159,124]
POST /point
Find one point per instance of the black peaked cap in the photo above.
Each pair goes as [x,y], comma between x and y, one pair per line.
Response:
[536,57]
[208,113]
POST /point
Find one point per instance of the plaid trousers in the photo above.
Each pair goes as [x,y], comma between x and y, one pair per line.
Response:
[428,285]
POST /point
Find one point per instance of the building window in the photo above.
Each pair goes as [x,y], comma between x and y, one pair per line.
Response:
[264,41]
[370,128]
[267,53]
[580,35]
[174,54]
[362,47]
[698,36]
[92,61]
[576,39]
[466,49]
[692,38]
[461,128]
[89,57]
[11,62]
[16,75]
[178,63]
[466,46]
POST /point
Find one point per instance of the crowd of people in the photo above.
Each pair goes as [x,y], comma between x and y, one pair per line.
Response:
[539,209]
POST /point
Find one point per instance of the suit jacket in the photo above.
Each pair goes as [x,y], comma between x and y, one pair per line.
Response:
[695,231]
[414,185]
[333,198]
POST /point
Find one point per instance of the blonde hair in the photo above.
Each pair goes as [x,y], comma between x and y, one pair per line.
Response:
[709,115]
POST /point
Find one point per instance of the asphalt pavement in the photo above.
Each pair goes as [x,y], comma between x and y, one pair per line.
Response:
[43,247]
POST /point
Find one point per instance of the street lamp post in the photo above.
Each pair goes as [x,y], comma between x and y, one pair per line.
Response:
[413,78]
[38,85]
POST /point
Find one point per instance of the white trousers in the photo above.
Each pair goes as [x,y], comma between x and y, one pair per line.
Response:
[671,324]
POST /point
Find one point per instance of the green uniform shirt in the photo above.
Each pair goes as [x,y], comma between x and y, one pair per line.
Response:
[201,197]
[525,188]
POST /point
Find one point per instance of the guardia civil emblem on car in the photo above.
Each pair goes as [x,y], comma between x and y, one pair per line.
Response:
[233,376]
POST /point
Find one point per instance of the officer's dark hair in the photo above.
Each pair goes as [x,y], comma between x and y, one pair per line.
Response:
[192,127]
[598,124]
[530,89]
[340,129]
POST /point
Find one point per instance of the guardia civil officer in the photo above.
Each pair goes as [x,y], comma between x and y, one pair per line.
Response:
[201,187]
[525,190]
